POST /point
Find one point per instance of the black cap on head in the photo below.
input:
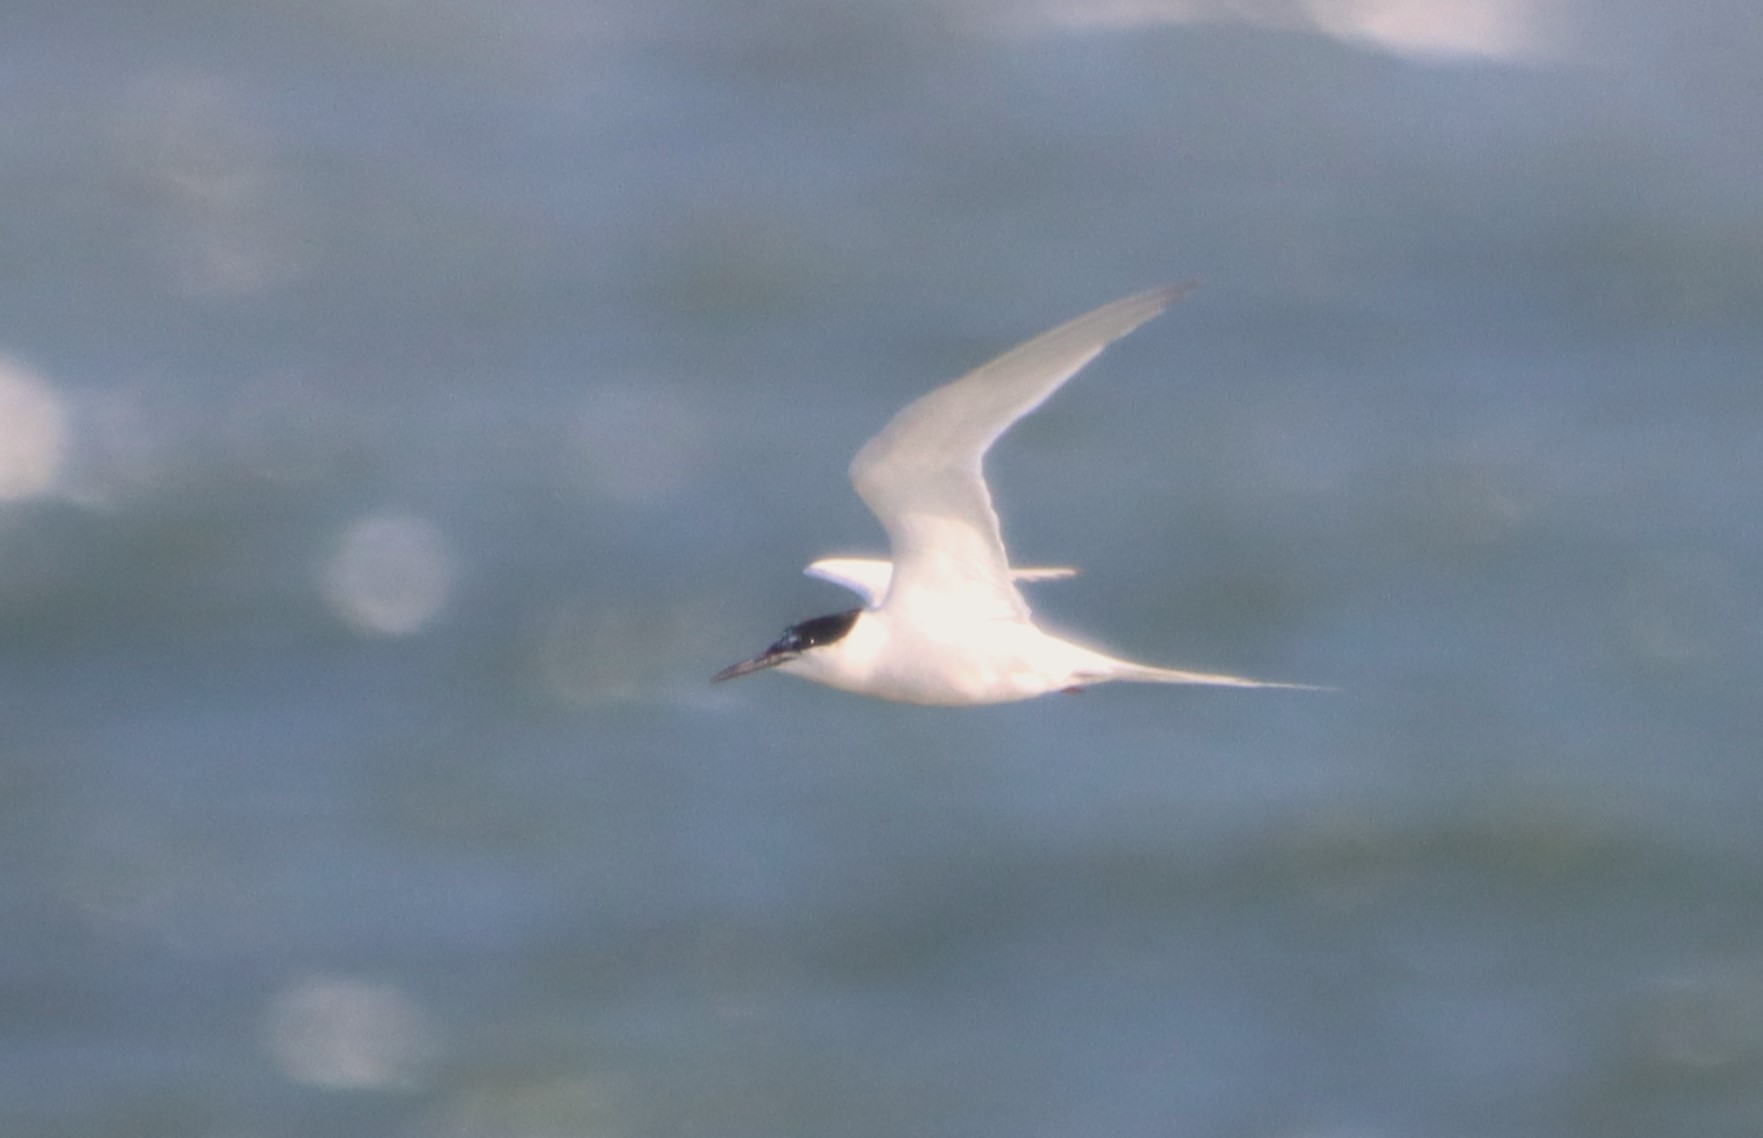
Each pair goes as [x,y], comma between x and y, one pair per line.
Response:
[797,639]
[813,633]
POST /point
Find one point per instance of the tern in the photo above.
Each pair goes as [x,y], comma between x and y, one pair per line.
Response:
[943,622]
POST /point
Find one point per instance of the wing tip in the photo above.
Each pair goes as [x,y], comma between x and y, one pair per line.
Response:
[1127,313]
[1044,572]
[1170,293]
[1163,296]
[868,577]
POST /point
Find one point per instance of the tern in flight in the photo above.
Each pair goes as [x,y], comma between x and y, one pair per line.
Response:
[943,621]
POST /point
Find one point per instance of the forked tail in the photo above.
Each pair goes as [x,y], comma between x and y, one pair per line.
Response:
[1146,674]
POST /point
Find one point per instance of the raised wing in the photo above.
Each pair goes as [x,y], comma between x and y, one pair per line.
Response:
[922,477]
[868,576]
[865,576]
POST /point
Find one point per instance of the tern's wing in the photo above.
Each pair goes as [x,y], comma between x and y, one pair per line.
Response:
[865,576]
[868,576]
[921,475]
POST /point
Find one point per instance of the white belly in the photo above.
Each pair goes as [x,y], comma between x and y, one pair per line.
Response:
[970,663]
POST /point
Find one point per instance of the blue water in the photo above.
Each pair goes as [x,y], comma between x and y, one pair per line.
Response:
[405,408]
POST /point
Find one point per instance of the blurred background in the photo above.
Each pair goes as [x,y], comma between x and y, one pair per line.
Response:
[405,406]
